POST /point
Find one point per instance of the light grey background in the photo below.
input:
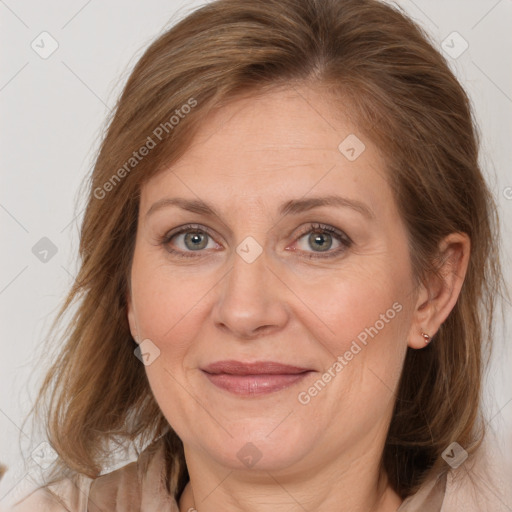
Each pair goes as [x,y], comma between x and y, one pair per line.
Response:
[52,113]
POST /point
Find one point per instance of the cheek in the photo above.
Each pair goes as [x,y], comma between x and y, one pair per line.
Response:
[166,300]
[337,306]
[355,303]
[363,315]
[371,318]
[166,305]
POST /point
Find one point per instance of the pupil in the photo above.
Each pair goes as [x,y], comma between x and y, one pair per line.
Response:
[314,238]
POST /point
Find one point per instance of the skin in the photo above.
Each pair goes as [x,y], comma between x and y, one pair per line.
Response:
[249,158]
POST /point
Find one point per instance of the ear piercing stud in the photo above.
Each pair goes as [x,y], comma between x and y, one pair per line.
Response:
[426,337]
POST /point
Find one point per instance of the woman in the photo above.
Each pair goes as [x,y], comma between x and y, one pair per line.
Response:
[288,218]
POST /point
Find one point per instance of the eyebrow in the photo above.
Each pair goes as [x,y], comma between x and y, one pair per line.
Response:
[292,207]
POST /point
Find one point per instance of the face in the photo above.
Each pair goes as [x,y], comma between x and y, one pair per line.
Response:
[267,274]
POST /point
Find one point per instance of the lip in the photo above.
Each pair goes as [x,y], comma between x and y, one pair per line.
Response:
[233,367]
[252,379]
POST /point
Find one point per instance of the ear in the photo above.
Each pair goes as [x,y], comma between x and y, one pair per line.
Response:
[438,295]
[131,317]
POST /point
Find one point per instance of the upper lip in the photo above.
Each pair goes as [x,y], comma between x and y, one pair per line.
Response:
[233,367]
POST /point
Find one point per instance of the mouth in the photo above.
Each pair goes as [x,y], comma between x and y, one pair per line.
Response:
[253,379]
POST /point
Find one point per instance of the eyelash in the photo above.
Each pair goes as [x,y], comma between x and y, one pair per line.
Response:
[345,241]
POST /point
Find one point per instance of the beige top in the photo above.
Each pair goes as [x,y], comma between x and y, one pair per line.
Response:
[139,486]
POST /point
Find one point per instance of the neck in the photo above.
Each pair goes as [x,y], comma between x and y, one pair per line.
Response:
[354,487]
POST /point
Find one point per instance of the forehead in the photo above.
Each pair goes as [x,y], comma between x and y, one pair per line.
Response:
[283,144]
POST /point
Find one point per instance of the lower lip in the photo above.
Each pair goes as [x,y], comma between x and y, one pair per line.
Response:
[253,385]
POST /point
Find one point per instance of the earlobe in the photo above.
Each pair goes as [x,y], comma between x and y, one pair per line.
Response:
[439,294]
[421,332]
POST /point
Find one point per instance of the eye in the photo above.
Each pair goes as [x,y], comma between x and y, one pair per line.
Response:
[195,238]
[192,238]
[321,238]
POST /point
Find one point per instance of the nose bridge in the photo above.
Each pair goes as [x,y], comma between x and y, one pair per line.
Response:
[248,271]
[249,298]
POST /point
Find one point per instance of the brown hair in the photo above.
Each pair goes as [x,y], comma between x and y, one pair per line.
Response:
[403,97]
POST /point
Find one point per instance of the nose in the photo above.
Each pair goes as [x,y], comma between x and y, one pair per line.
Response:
[250,300]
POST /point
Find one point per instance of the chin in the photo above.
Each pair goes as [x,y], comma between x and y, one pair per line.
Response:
[258,445]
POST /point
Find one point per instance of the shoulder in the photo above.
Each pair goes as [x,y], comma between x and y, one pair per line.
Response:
[67,494]
[481,483]
[125,489]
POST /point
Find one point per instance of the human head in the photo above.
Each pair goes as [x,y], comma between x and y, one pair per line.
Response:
[400,94]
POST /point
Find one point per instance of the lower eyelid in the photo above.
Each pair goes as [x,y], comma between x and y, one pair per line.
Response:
[167,241]
[344,241]
[344,244]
